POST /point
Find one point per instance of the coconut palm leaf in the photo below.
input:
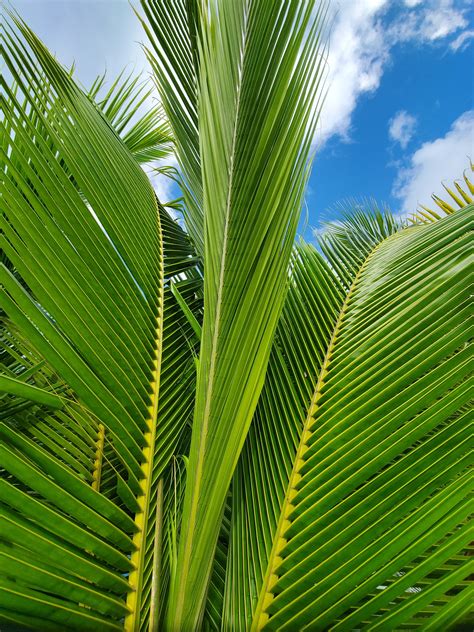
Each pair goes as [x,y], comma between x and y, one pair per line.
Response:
[174,480]
[314,300]
[35,185]
[259,483]
[377,500]
[175,407]
[40,406]
[12,386]
[144,129]
[88,286]
[254,158]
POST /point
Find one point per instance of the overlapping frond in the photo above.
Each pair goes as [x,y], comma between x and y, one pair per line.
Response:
[346,243]
[174,415]
[39,196]
[373,528]
[257,93]
[38,404]
[218,429]
[86,282]
[25,378]
[260,480]
[215,598]
[318,287]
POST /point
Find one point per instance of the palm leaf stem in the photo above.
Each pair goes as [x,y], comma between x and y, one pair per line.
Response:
[144,501]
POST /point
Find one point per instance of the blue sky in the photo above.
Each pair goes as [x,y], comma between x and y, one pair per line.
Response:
[398,118]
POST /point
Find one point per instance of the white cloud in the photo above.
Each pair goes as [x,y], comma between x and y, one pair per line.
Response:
[362,37]
[441,160]
[402,127]
[461,41]
[357,54]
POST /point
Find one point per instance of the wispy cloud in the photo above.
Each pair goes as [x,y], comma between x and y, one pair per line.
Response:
[428,21]
[401,128]
[163,186]
[441,160]
[461,41]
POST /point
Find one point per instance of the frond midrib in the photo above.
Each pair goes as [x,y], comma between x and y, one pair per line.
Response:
[141,519]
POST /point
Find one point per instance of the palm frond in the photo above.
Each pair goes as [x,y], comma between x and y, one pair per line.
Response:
[378,496]
[259,483]
[256,123]
[12,386]
[25,377]
[346,243]
[213,428]
[215,598]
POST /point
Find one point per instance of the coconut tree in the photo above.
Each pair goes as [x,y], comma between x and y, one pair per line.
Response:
[205,425]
